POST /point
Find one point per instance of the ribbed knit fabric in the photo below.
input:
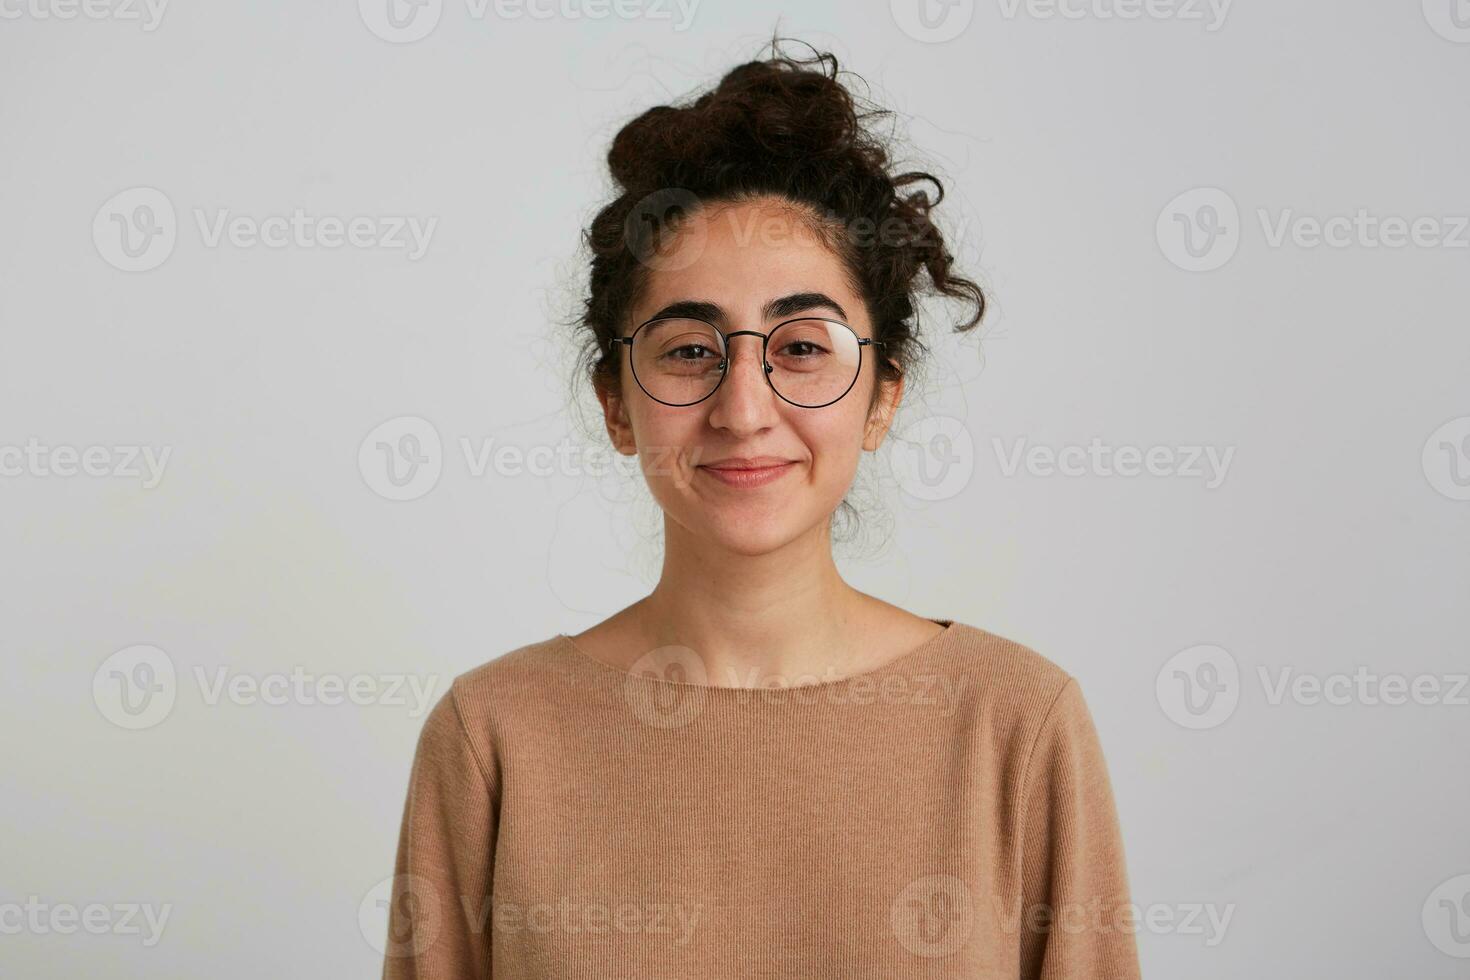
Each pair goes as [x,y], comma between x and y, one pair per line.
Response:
[947,814]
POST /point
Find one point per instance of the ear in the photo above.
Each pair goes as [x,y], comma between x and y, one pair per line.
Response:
[615,417]
[880,416]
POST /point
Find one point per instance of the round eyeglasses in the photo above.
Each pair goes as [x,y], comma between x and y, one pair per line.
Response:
[809,362]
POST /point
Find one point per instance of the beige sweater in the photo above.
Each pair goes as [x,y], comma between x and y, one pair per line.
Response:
[929,818]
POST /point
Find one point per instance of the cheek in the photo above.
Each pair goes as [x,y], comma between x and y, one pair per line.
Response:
[835,442]
[667,439]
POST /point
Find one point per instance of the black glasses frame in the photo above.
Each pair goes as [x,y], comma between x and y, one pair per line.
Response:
[627,341]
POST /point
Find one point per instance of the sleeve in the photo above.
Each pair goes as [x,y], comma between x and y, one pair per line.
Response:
[439,909]
[1078,922]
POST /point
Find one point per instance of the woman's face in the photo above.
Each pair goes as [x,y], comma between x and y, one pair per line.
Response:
[757,264]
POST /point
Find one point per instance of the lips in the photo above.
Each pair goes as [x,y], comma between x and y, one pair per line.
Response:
[748,471]
[747,462]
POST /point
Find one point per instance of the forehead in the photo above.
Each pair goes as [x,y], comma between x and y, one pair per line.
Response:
[741,256]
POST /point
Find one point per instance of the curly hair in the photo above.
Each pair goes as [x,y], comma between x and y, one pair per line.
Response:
[776,127]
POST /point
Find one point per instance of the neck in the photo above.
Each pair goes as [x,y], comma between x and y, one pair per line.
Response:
[783,617]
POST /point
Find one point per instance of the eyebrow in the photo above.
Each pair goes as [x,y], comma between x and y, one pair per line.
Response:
[780,308]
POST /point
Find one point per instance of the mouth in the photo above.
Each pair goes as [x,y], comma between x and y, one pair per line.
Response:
[754,473]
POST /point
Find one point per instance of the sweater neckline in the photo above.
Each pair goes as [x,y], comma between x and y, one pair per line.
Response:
[905,660]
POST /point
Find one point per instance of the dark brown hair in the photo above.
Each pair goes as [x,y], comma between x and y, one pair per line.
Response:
[784,127]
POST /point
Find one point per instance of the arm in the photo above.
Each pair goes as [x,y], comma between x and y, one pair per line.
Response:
[1073,871]
[439,917]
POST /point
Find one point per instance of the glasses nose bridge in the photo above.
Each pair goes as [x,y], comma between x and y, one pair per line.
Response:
[726,337]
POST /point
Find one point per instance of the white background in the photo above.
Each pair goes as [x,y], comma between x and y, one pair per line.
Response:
[1336,539]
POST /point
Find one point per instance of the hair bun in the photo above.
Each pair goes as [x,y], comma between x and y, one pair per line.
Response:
[760,114]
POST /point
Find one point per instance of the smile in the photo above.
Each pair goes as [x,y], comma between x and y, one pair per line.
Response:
[748,477]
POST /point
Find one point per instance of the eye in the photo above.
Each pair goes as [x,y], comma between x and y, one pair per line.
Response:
[698,352]
[804,348]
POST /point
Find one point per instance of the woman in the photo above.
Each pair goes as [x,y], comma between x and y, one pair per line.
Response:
[757,770]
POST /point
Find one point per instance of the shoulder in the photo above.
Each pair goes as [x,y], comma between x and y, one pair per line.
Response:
[1012,687]
[521,675]
[486,700]
[515,673]
[1007,666]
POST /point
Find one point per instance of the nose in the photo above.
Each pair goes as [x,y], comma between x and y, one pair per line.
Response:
[745,401]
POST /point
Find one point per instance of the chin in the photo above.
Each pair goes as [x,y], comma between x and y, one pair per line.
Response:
[748,527]
[752,534]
